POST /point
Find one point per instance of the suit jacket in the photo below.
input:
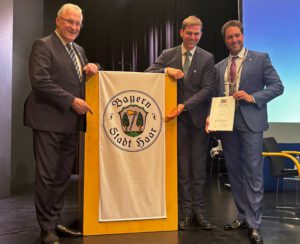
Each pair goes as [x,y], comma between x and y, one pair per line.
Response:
[259,79]
[55,84]
[197,86]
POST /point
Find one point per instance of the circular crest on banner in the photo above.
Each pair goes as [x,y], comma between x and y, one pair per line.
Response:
[132,120]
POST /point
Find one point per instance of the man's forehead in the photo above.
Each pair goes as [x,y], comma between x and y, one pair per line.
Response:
[194,28]
[233,29]
[71,12]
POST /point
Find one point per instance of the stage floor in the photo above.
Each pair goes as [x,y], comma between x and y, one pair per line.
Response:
[18,223]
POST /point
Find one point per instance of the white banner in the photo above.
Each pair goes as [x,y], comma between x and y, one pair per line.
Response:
[132,146]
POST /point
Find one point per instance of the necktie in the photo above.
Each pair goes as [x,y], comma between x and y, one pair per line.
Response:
[232,75]
[187,62]
[73,57]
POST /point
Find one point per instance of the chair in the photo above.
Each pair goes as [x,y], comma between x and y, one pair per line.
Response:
[277,163]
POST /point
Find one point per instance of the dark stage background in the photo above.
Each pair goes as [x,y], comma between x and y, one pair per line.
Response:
[130,34]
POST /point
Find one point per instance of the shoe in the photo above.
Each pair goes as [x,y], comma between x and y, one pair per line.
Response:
[75,225]
[185,224]
[235,225]
[49,237]
[62,230]
[255,236]
[202,222]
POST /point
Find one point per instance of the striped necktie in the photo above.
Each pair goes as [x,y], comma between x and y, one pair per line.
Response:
[73,57]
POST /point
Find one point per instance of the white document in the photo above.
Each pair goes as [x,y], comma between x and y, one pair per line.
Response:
[222,114]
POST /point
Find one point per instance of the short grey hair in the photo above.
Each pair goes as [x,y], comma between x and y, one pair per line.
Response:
[191,20]
[66,6]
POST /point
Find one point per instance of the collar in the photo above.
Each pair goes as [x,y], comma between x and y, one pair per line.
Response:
[62,40]
[240,55]
[183,50]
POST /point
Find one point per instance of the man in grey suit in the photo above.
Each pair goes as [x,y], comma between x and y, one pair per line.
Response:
[252,81]
[55,110]
[193,67]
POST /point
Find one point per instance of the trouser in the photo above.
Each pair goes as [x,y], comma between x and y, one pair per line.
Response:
[55,155]
[192,154]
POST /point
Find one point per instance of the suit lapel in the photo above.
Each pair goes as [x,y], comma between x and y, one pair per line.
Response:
[178,58]
[193,66]
[62,49]
[65,55]
[222,74]
[245,68]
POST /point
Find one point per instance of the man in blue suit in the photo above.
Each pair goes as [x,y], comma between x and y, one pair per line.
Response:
[193,68]
[252,81]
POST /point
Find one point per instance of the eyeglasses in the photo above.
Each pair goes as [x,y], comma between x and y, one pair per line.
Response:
[72,22]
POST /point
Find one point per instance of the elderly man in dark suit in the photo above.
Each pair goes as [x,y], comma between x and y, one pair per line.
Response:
[251,79]
[55,110]
[193,67]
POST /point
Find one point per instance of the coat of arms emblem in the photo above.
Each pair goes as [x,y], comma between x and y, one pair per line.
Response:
[132,120]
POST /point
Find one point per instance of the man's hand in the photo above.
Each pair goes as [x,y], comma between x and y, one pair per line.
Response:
[80,106]
[176,111]
[175,73]
[180,109]
[242,95]
[90,69]
[173,114]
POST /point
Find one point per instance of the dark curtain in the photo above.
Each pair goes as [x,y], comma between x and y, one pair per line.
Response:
[130,34]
